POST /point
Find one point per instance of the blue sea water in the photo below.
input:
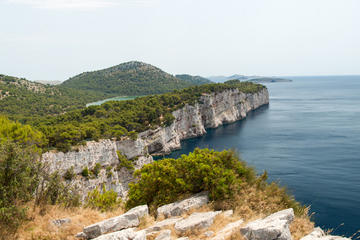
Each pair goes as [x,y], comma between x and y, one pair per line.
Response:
[308,139]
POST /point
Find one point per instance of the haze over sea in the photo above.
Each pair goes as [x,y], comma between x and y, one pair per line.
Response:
[308,138]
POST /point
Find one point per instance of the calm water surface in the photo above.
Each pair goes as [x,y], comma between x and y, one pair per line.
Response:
[308,138]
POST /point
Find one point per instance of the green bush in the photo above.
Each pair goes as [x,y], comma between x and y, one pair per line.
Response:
[85,172]
[19,179]
[109,172]
[96,170]
[124,162]
[69,174]
[103,200]
[164,181]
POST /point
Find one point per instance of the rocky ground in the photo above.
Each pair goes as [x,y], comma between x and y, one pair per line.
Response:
[187,219]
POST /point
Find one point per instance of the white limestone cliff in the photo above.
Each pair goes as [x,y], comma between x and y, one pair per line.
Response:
[211,111]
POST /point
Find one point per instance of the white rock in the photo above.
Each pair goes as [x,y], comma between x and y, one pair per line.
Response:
[196,221]
[127,234]
[179,207]
[228,213]
[163,224]
[209,233]
[183,238]
[60,222]
[228,230]
[273,227]
[164,235]
[127,220]
[81,235]
[319,234]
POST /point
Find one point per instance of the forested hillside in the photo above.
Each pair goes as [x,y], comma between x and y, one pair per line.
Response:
[196,80]
[128,79]
[20,98]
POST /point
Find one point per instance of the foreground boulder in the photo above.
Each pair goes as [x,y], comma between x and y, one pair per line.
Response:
[273,227]
[179,207]
[127,220]
[196,221]
[127,234]
[319,234]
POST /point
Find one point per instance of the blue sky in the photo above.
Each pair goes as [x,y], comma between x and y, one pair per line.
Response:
[56,39]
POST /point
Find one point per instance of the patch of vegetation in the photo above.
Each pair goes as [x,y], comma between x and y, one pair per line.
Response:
[109,172]
[85,172]
[24,179]
[222,174]
[128,79]
[197,80]
[21,99]
[124,162]
[69,174]
[104,200]
[23,135]
[96,170]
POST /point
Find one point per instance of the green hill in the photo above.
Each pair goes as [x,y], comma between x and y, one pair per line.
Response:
[20,98]
[196,80]
[127,79]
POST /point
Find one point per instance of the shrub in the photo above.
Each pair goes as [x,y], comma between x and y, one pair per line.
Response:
[19,179]
[164,181]
[124,162]
[69,174]
[85,172]
[104,201]
[96,170]
[109,173]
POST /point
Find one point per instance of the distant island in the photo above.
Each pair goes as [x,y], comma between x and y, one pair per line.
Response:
[269,80]
[256,79]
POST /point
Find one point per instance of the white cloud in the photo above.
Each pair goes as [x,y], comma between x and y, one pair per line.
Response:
[78,4]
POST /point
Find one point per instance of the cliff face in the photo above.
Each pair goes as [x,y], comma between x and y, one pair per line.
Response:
[211,111]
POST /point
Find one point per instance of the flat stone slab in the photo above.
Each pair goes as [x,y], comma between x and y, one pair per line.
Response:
[163,224]
[179,207]
[319,234]
[273,227]
[164,235]
[127,234]
[196,221]
[228,230]
[127,220]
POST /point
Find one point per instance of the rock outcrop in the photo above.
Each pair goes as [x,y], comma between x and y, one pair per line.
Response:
[179,207]
[211,111]
[128,220]
[319,234]
[196,221]
[199,225]
[273,227]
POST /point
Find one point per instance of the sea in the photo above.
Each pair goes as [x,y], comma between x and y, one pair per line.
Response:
[307,139]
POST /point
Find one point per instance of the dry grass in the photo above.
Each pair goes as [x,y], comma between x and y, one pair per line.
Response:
[146,221]
[250,204]
[301,226]
[41,228]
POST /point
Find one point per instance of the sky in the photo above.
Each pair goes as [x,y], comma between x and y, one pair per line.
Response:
[57,39]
